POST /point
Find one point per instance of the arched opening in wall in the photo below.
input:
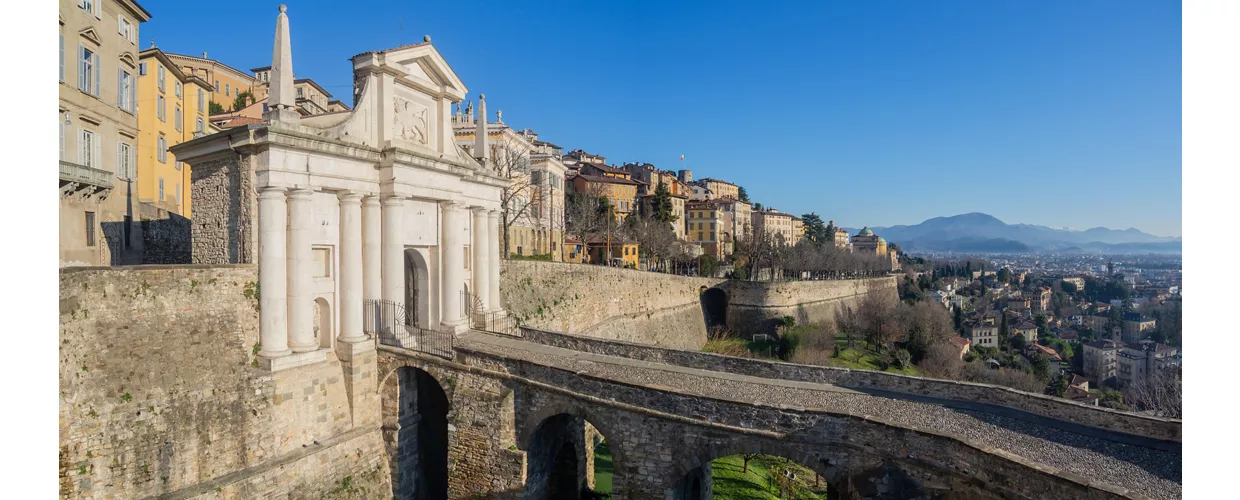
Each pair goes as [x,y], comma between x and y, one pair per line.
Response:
[323,333]
[415,427]
[568,458]
[417,290]
[753,475]
[715,310]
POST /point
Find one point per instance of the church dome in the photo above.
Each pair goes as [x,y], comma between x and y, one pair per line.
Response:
[881,240]
[865,232]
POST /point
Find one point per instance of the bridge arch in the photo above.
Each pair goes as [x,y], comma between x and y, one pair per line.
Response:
[560,444]
[415,430]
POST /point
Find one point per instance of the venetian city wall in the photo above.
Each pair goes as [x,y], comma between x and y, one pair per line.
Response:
[664,309]
[1037,404]
[160,395]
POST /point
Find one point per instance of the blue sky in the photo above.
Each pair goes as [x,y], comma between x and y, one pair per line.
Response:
[869,113]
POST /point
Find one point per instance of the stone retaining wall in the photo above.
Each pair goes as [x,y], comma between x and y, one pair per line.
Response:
[160,394]
[1037,404]
[664,309]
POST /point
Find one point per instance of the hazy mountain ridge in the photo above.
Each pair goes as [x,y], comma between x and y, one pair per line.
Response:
[979,232]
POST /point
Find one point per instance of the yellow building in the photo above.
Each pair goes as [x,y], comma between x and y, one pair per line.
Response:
[225,81]
[721,189]
[620,190]
[704,225]
[781,226]
[173,108]
[868,243]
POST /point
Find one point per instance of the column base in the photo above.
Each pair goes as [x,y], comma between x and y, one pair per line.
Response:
[347,349]
[297,349]
[293,360]
[274,354]
[458,327]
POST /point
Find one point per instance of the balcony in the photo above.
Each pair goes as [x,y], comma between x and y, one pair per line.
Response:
[75,178]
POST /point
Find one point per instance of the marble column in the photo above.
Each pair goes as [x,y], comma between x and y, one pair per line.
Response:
[351,268]
[300,265]
[393,251]
[453,266]
[272,273]
[493,261]
[481,248]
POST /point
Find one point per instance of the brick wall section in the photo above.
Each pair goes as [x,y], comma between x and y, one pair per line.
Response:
[1038,404]
[225,224]
[663,309]
[159,393]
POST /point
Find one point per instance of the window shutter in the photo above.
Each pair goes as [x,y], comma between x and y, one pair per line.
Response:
[133,95]
[120,161]
[62,57]
[98,9]
[97,157]
[120,24]
[97,70]
[120,89]
[61,121]
[81,57]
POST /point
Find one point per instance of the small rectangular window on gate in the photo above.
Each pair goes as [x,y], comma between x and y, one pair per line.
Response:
[322,262]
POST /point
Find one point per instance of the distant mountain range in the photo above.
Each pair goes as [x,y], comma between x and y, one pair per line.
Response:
[982,233]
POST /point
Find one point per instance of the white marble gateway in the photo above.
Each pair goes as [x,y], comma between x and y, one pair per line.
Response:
[374,203]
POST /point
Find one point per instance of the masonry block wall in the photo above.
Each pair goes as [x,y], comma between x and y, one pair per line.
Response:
[225,224]
[663,309]
[160,394]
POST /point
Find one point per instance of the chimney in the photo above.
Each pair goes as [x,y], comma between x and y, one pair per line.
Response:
[204,54]
[481,151]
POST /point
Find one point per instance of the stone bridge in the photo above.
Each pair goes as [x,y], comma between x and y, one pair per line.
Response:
[520,420]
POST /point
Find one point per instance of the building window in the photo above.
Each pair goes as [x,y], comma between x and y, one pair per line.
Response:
[124,154]
[88,71]
[126,91]
[141,69]
[86,148]
[217,85]
[198,125]
[161,189]
[124,28]
[176,117]
[202,97]
[178,164]
[162,151]
[162,74]
[467,259]
[226,89]
[299,92]
[90,229]
[176,86]
[159,108]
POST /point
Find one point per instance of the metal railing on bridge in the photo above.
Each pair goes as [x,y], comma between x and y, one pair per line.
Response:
[391,325]
[488,321]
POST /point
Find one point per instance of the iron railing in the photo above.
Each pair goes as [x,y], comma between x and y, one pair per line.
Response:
[488,321]
[388,322]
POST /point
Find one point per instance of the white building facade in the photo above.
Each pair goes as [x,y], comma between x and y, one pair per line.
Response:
[376,204]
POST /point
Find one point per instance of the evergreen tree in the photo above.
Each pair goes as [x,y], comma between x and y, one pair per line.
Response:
[815,231]
[741,194]
[662,206]
[958,316]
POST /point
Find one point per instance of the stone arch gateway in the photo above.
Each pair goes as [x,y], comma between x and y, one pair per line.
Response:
[714,308]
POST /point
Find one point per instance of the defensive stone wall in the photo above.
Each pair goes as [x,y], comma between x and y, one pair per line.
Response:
[664,309]
[225,204]
[753,306]
[1162,429]
[160,395]
[604,302]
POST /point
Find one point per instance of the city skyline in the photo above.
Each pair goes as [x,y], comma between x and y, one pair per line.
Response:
[890,115]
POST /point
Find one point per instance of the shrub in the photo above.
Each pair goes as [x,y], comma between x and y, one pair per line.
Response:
[811,356]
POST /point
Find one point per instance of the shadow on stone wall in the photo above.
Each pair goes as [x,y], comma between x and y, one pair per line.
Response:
[167,240]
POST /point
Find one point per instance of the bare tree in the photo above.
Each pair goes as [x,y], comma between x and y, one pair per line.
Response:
[655,239]
[942,361]
[586,214]
[1161,392]
[878,318]
[518,197]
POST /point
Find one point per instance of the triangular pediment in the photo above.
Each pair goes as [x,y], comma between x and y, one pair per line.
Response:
[423,65]
[89,34]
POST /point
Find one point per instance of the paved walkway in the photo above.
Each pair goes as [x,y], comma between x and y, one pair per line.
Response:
[1156,473]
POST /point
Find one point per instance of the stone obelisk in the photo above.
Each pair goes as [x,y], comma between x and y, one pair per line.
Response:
[281,99]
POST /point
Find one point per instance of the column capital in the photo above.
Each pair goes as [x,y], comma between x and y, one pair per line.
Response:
[478,210]
[351,197]
[450,205]
[393,201]
[493,213]
[300,193]
[371,199]
[271,192]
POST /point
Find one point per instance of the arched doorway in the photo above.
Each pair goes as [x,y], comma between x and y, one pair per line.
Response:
[417,290]
[715,308]
[568,458]
[323,323]
[417,438]
[752,475]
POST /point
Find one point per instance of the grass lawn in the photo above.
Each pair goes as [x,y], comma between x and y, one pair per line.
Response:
[860,358]
[730,483]
[602,468]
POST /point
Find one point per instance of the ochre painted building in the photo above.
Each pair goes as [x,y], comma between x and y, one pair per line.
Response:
[225,81]
[174,110]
